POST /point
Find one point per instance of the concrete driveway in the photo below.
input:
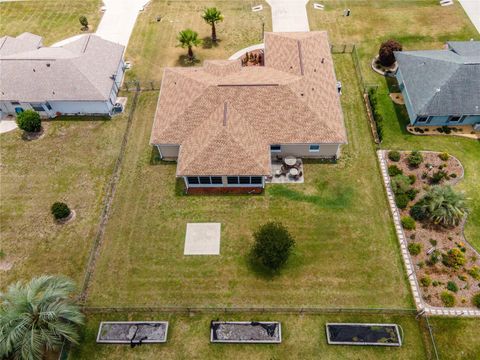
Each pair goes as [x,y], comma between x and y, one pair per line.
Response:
[289,15]
[472,8]
[119,19]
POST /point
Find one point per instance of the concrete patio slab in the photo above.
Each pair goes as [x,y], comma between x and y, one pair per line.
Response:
[472,8]
[289,15]
[202,239]
[7,125]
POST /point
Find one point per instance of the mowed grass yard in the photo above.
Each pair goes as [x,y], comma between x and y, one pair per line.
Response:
[421,24]
[153,44]
[346,254]
[303,337]
[71,163]
[54,20]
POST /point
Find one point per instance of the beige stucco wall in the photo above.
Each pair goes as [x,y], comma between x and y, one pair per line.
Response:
[302,150]
[168,152]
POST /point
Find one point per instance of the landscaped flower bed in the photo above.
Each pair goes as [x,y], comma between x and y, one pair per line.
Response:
[447,267]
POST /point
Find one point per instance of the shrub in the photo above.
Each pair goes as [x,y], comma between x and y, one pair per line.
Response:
[448,299]
[273,245]
[474,272]
[412,178]
[412,194]
[60,210]
[446,129]
[29,121]
[433,258]
[402,200]
[408,223]
[414,159]
[393,170]
[433,242]
[444,156]
[377,117]
[444,206]
[394,155]
[452,286]
[2,254]
[454,258]
[476,300]
[386,55]
[426,281]
[83,21]
[400,184]
[438,176]
[414,248]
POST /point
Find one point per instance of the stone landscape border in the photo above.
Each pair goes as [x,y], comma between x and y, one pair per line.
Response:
[422,307]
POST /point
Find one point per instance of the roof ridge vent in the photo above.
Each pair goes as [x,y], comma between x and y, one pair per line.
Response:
[225,113]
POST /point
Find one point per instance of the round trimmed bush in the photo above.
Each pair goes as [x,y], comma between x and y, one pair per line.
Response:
[29,121]
[408,223]
[444,156]
[60,210]
[452,286]
[414,248]
[386,55]
[454,258]
[394,155]
[393,170]
[273,245]
[418,212]
[448,299]
[402,200]
[426,281]
[476,300]
[414,159]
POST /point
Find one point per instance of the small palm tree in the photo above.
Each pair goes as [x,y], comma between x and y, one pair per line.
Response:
[212,16]
[188,39]
[444,206]
[37,317]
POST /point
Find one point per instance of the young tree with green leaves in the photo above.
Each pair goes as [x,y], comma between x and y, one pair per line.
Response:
[29,121]
[188,39]
[37,317]
[212,16]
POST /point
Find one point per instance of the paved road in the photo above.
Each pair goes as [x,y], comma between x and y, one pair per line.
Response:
[472,8]
[119,19]
[289,15]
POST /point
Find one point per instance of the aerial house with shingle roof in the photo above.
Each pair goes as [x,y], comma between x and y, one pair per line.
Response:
[441,87]
[81,77]
[223,121]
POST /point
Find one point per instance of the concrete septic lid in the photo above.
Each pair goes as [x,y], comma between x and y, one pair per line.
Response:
[202,239]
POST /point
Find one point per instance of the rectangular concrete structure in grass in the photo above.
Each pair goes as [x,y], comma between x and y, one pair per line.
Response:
[202,239]
[132,332]
[263,332]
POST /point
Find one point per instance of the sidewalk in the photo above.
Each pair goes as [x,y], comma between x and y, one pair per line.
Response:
[119,19]
[289,15]
[472,8]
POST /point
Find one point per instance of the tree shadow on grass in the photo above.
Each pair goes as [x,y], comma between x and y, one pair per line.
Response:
[185,61]
[259,269]
[207,43]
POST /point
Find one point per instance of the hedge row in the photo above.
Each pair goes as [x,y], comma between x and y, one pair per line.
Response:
[377,117]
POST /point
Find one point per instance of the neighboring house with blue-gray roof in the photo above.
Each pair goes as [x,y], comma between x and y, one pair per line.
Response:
[441,87]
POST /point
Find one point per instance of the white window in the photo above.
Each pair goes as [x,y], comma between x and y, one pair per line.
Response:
[204,180]
[275,148]
[422,119]
[455,119]
[314,148]
[37,107]
[244,180]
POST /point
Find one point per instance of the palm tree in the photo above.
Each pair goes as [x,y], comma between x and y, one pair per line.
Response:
[212,16]
[188,39]
[37,317]
[444,206]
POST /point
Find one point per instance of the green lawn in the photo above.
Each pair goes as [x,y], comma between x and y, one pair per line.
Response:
[303,338]
[456,338]
[416,25]
[153,44]
[55,20]
[72,163]
[339,217]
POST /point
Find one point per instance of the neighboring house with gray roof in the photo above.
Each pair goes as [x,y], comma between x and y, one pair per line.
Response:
[223,122]
[441,87]
[79,78]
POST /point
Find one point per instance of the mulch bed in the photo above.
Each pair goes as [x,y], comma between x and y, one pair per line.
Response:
[439,237]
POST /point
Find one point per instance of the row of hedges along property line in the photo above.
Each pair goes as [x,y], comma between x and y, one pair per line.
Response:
[377,117]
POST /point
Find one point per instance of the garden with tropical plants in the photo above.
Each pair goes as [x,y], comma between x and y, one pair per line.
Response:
[433,215]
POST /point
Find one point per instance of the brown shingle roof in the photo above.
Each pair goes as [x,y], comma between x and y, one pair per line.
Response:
[224,116]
